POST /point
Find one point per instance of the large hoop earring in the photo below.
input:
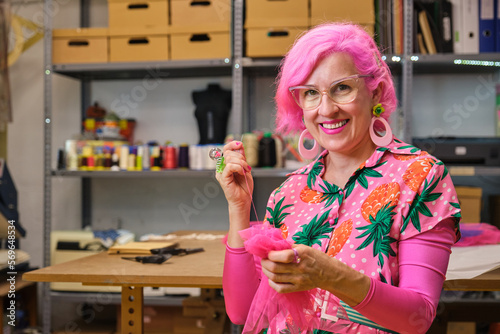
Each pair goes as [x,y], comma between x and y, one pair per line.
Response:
[384,140]
[304,152]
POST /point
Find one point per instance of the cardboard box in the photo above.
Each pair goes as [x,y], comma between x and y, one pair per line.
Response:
[207,15]
[137,13]
[194,43]
[339,10]
[470,199]
[83,45]
[134,44]
[272,13]
[166,319]
[270,42]
[461,328]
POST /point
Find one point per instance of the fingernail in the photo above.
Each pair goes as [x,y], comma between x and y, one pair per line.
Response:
[238,143]
[249,168]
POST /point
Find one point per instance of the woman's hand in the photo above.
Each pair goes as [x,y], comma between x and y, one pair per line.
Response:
[237,183]
[235,179]
[315,270]
[285,275]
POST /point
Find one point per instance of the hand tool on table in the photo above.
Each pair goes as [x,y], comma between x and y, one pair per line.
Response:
[158,259]
[176,251]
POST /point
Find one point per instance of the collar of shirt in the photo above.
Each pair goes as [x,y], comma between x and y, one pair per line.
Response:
[317,167]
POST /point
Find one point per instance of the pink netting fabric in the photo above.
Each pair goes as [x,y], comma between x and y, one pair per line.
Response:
[296,311]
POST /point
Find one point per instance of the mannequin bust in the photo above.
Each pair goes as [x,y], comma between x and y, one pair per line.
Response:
[213,106]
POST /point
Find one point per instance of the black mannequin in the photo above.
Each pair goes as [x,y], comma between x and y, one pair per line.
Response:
[213,106]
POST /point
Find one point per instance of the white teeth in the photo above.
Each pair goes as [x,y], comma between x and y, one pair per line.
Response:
[335,125]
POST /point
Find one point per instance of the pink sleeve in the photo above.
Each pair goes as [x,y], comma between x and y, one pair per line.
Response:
[240,280]
[411,306]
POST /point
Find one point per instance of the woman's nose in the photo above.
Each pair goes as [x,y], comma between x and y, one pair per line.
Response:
[327,106]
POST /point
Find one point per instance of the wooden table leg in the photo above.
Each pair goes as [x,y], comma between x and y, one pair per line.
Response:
[132,306]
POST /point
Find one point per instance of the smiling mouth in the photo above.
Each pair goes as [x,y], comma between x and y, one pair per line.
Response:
[331,126]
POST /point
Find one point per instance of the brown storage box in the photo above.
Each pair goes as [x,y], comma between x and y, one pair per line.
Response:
[270,42]
[470,203]
[196,43]
[272,13]
[137,13]
[210,15]
[84,45]
[166,320]
[340,10]
[138,45]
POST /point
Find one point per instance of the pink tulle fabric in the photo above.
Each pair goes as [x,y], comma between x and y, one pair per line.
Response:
[269,308]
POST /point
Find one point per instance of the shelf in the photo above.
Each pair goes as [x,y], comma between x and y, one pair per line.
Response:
[438,63]
[473,171]
[112,298]
[456,63]
[141,70]
[256,172]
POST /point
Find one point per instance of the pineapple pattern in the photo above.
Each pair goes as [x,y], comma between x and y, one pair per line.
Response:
[399,192]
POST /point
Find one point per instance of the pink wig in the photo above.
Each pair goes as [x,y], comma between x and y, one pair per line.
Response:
[313,46]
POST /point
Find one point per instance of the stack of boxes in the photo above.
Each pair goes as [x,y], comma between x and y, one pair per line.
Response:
[272,26]
[200,29]
[138,30]
[150,30]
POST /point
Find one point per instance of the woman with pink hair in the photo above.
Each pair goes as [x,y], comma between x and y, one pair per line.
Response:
[369,222]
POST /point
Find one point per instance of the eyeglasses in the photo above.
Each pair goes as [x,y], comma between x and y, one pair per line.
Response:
[341,91]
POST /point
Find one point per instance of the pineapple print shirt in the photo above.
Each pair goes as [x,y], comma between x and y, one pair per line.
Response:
[399,192]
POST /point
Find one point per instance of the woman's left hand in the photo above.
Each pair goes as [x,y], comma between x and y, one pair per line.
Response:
[285,275]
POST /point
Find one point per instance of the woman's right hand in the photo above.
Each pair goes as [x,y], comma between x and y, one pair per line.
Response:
[236,180]
[237,183]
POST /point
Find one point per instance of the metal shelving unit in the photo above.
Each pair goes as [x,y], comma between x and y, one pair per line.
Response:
[239,68]
[177,173]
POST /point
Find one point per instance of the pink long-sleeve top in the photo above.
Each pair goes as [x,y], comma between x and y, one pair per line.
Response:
[395,221]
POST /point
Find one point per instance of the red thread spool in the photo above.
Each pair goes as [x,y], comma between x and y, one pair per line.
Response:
[170,157]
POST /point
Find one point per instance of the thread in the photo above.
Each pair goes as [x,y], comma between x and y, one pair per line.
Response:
[124,150]
[267,151]
[279,152]
[195,157]
[183,160]
[170,161]
[251,146]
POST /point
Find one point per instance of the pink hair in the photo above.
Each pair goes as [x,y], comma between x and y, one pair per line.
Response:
[313,46]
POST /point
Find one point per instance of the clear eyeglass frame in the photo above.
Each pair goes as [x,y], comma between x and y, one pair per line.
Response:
[295,90]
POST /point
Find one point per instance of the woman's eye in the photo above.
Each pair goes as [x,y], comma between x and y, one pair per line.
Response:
[341,88]
[310,93]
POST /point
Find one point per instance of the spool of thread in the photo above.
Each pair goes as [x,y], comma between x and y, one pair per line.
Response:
[115,162]
[155,158]
[71,155]
[124,151]
[131,158]
[279,153]
[170,161]
[139,157]
[267,151]
[183,161]
[61,160]
[88,154]
[99,159]
[107,160]
[195,157]
[251,146]
[146,158]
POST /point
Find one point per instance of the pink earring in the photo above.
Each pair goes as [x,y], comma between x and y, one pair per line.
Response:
[304,152]
[386,139]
